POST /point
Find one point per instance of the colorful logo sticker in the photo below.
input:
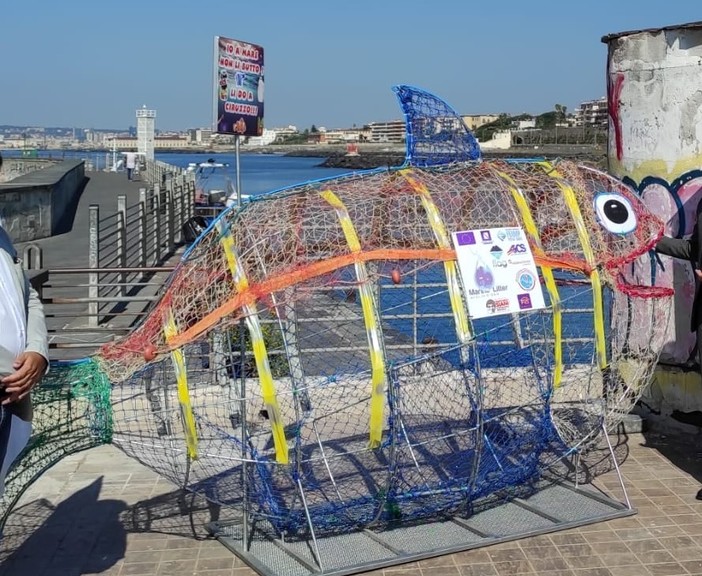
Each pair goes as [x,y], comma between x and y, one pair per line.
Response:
[496,252]
[524,301]
[465,238]
[526,280]
[485,236]
[484,278]
[498,305]
[513,234]
[516,249]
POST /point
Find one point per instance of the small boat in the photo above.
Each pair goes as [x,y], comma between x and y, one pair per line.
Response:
[208,190]
[208,180]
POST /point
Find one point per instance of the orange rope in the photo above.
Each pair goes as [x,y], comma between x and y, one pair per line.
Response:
[277,283]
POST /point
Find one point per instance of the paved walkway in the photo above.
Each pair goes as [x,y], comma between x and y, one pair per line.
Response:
[70,249]
[67,322]
[99,512]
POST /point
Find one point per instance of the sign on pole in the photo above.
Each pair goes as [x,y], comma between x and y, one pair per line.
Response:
[238,87]
[498,271]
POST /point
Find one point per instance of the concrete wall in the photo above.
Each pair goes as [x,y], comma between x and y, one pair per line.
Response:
[655,145]
[13,167]
[39,204]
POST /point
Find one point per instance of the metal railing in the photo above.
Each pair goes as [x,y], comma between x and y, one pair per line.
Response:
[128,262]
[133,239]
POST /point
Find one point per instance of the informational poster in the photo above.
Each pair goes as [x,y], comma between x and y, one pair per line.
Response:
[498,271]
[238,87]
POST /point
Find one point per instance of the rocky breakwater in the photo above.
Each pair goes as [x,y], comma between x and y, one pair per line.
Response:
[375,159]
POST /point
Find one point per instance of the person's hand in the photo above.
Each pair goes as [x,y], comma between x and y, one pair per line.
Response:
[698,273]
[29,368]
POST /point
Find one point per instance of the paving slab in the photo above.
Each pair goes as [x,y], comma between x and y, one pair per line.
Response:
[100,512]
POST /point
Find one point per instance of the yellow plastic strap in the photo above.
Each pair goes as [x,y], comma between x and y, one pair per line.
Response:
[370,315]
[169,330]
[533,232]
[584,237]
[443,240]
[253,323]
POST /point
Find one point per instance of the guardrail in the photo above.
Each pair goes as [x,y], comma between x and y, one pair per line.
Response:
[128,253]
[135,238]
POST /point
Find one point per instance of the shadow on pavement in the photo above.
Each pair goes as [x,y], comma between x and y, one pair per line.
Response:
[82,535]
[682,450]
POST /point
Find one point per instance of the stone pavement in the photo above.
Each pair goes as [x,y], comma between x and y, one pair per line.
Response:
[99,512]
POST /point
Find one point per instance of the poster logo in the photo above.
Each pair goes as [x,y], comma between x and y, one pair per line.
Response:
[516,249]
[496,252]
[484,279]
[465,238]
[526,280]
[524,301]
[497,305]
[485,236]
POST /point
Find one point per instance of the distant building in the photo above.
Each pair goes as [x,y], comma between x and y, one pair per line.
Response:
[592,113]
[203,135]
[393,131]
[168,142]
[343,136]
[268,137]
[474,121]
[145,132]
[317,138]
[526,124]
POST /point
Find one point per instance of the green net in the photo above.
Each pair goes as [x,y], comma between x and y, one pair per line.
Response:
[72,412]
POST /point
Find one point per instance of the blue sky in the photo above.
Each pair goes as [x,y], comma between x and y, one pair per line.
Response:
[332,63]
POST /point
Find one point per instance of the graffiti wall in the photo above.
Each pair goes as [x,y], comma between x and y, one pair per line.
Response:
[655,144]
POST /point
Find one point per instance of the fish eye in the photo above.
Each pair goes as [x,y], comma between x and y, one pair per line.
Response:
[615,212]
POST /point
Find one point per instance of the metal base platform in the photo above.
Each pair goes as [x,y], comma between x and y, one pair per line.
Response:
[556,507]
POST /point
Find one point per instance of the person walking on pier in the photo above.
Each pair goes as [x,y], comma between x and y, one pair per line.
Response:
[23,353]
[130,163]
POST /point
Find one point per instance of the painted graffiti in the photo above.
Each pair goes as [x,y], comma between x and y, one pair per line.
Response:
[676,204]
[614,92]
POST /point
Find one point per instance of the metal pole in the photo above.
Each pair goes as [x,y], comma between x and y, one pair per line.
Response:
[170,224]
[142,229]
[238,173]
[156,215]
[122,240]
[93,262]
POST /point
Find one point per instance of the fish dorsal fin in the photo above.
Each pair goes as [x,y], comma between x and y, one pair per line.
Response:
[436,135]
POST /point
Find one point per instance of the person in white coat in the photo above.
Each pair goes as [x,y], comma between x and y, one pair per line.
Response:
[24,354]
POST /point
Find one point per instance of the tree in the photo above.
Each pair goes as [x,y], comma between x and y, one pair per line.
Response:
[560,112]
[313,129]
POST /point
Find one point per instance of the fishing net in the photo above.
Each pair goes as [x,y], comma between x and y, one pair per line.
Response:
[72,412]
[314,353]
[317,361]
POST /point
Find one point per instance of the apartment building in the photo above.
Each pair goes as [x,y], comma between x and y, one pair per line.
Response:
[592,113]
[393,131]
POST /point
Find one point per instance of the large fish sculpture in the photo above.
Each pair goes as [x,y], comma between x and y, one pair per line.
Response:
[325,358]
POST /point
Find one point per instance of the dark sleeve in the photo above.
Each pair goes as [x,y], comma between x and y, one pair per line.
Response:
[676,247]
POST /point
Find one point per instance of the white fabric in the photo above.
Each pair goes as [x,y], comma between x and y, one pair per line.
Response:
[13,323]
[20,432]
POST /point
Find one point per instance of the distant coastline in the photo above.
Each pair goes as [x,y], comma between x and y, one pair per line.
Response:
[379,155]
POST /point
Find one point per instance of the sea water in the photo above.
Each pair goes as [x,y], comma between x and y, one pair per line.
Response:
[258,173]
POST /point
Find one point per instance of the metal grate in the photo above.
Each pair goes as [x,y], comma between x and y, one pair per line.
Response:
[550,509]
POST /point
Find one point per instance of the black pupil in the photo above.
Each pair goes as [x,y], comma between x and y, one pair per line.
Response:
[616,211]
